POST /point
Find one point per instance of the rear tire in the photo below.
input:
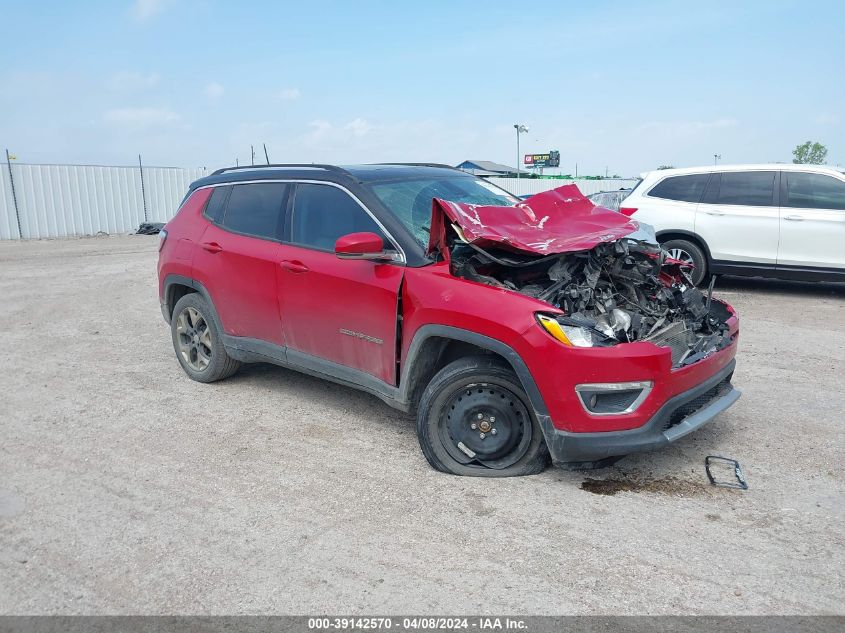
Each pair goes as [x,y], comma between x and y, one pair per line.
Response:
[689,251]
[197,342]
[474,419]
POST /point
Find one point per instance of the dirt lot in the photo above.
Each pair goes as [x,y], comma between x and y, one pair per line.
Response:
[127,488]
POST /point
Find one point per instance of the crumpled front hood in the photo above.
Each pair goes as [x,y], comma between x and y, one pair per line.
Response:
[562,220]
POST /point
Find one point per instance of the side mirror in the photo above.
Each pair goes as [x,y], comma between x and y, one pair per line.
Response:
[363,246]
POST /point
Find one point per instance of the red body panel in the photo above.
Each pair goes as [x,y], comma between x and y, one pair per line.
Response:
[241,279]
[341,310]
[186,228]
[433,295]
[558,221]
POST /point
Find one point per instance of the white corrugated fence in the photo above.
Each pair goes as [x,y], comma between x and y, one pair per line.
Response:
[66,200]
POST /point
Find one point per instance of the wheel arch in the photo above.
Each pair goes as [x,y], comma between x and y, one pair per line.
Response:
[680,234]
[435,346]
[177,286]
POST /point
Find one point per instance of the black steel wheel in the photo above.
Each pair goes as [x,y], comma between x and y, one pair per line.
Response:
[475,419]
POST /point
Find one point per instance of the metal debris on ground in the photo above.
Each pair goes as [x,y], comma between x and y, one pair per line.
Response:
[149,228]
[739,477]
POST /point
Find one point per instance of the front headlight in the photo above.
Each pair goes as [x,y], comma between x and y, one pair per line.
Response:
[570,335]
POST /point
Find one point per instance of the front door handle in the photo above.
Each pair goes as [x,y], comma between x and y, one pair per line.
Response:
[714,212]
[212,247]
[294,265]
[794,218]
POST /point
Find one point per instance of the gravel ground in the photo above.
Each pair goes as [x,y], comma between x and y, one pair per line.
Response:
[126,488]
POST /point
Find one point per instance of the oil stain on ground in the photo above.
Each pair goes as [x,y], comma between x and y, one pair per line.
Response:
[666,486]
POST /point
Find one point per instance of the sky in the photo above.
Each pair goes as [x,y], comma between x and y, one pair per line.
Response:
[616,87]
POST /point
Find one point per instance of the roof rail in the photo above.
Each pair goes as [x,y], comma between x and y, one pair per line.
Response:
[334,168]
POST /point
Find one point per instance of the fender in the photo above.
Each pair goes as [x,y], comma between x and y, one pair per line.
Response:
[485,342]
[181,280]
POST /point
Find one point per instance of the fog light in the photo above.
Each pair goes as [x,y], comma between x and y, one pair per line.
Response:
[613,398]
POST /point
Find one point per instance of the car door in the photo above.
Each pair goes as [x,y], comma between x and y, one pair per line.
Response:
[339,311]
[238,258]
[738,217]
[812,230]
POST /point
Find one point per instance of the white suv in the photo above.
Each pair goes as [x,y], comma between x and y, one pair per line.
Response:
[784,221]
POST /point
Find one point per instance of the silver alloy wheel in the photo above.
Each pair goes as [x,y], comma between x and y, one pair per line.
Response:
[194,338]
[681,255]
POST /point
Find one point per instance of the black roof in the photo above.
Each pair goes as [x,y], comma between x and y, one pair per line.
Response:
[332,173]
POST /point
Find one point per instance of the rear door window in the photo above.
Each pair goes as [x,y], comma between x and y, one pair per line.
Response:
[814,191]
[747,188]
[681,188]
[256,209]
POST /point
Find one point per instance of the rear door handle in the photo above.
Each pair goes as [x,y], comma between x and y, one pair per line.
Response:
[294,265]
[212,247]
[794,218]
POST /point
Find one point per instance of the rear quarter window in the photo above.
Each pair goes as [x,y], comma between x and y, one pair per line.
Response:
[814,191]
[681,188]
[217,203]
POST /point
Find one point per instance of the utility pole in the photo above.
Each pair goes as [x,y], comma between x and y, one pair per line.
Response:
[520,129]
[266,157]
[252,153]
[143,192]
[14,195]
[716,158]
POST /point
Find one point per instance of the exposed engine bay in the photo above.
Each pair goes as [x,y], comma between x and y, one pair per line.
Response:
[615,290]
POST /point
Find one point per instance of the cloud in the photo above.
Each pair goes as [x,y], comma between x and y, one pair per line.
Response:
[143,10]
[827,119]
[289,94]
[140,117]
[214,90]
[688,127]
[129,81]
[358,127]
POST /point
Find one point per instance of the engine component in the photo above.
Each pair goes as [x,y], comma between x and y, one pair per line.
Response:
[620,291]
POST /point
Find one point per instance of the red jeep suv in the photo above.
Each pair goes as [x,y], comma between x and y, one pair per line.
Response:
[517,330]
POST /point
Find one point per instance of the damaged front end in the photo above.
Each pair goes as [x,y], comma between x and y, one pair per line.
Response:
[606,276]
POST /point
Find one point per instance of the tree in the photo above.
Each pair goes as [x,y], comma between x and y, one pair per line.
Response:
[810,153]
[666,167]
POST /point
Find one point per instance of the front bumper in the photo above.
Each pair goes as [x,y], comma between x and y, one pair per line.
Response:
[678,417]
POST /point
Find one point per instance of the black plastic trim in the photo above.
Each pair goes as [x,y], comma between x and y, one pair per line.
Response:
[566,447]
[777,271]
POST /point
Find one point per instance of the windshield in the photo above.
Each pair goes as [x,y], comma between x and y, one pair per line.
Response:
[410,200]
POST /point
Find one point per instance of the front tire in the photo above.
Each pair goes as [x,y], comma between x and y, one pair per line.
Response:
[687,251]
[474,419]
[197,342]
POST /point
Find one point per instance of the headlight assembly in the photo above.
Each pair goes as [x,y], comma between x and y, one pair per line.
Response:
[571,335]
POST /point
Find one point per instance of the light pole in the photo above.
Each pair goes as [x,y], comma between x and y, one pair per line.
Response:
[716,158]
[520,129]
